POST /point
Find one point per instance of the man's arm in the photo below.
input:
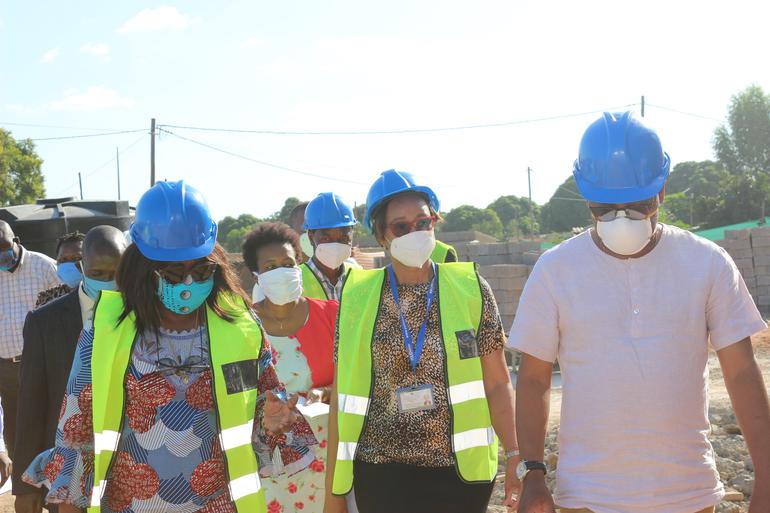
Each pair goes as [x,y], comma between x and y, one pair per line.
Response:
[33,402]
[746,387]
[533,400]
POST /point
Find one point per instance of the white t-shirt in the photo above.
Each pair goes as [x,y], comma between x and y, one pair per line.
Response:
[632,337]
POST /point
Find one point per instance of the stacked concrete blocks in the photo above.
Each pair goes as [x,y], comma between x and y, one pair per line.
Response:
[507,283]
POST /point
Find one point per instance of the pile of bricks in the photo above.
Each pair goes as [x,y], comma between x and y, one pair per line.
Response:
[750,250]
[507,283]
[513,252]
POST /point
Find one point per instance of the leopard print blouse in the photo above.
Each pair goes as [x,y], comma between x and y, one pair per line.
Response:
[419,438]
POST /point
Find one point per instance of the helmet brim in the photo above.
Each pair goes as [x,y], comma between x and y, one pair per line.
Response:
[427,191]
[618,196]
[174,254]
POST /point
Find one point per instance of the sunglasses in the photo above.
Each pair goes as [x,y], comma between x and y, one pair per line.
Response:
[177,273]
[636,211]
[421,224]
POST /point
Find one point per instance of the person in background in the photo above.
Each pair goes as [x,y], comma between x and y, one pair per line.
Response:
[23,274]
[50,336]
[297,222]
[173,381]
[629,308]
[69,251]
[6,465]
[444,253]
[421,386]
[329,223]
[301,332]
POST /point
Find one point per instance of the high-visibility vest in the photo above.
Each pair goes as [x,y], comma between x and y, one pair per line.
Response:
[441,251]
[312,286]
[234,354]
[473,441]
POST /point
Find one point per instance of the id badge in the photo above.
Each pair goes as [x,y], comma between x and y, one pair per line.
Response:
[416,398]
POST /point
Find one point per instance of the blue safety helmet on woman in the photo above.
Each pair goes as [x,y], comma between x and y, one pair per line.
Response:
[620,161]
[390,183]
[173,223]
[328,210]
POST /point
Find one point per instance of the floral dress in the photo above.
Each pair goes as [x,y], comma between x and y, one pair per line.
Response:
[169,458]
[304,361]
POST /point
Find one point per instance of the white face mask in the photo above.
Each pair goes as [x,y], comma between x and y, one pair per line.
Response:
[413,249]
[624,236]
[306,245]
[282,285]
[332,254]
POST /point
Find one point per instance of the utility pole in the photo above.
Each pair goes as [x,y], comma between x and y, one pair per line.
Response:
[80,180]
[152,152]
[642,105]
[117,161]
[531,206]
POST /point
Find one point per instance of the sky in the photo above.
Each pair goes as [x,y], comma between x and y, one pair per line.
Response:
[545,70]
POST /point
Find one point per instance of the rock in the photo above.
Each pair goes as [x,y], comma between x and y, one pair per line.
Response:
[497,509]
[552,460]
[744,483]
[729,469]
[728,507]
[733,429]
[732,447]
[733,495]
[748,464]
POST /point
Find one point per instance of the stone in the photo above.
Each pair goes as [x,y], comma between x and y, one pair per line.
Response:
[552,461]
[748,464]
[744,483]
[733,495]
[728,507]
[733,429]
[729,469]
[732,447]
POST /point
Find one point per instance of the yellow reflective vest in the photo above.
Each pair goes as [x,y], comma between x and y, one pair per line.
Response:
[474,444]
[441,251]
[312,286]
[234,364]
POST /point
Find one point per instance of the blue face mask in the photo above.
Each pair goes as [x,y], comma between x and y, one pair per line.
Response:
[69,274]
[7,259]
[92,287]
[186,297]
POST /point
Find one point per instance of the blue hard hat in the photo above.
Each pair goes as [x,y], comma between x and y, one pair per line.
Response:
[390,183]
[328,210]
[620,161]
[173,223]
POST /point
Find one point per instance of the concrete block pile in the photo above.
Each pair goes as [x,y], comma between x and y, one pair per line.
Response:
[513,252]
[507,283]
[750,250]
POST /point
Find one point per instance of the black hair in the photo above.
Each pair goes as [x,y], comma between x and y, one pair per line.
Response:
[264,234]
[67,238]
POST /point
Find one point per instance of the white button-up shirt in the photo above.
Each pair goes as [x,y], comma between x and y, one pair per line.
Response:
[18,293]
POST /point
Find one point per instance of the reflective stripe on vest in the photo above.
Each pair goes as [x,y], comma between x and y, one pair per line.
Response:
[113,344]
[473,441]
[440,252]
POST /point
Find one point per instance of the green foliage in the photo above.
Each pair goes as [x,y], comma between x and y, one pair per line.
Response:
[565,210]
[21,180]
[231,231]
[467,217]
[283,214]
[518,215]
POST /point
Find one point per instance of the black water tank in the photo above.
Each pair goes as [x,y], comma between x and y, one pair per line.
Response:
[39,225]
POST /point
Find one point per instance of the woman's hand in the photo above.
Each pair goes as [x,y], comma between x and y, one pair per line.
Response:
[279,415]
[335,504]
[6,467]
[512,485]
[319,395]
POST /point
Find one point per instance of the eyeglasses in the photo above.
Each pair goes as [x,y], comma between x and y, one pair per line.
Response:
[177,273]
[636,211]
[421,224]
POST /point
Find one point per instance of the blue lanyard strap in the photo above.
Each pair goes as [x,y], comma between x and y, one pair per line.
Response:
[414,350]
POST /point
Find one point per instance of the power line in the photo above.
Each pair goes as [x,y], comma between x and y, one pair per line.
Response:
[400,131]
[88,135]
[260,162]
[60,127]
[677,111]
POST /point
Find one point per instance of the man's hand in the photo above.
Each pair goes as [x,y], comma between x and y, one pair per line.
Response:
[512,485]
[335,504]
[279,415]
[535,497]
[6,467]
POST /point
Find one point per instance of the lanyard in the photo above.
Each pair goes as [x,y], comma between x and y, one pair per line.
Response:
[414,350]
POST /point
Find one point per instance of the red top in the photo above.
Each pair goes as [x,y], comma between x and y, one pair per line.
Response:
[316,340]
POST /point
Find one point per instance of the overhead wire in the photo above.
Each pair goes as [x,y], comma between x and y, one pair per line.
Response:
[685,113]
[58,138]
[260,162]
[59,127]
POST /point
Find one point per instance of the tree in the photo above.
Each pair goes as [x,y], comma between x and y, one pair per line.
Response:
[231,231]
[565,210]
[283,214]
[518,215]
[743,148]
[701,185]
[21,180]
[468,217]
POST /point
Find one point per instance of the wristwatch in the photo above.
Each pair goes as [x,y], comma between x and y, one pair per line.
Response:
[524,467]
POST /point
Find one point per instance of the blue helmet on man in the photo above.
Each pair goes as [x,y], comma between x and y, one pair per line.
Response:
[328,210]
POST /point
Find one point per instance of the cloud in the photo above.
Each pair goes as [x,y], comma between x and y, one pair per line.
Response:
[92,99]
[156,20]
[100,50]
[50,55]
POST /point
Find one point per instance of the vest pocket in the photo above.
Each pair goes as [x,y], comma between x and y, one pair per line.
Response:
[467,344]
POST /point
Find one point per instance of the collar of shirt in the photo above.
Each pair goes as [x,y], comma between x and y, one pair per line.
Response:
[332,291]
[86,305]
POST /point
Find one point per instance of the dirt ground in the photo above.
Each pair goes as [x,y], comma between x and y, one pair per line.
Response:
[718,393]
